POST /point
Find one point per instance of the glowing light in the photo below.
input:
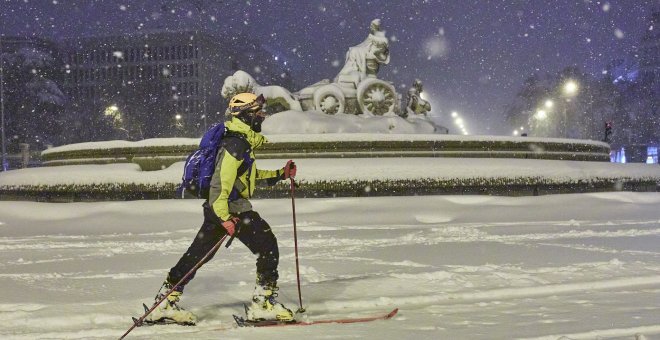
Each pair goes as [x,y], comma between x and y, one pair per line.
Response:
[549,104]
[570,87]
[454,114]
[112,111]
[516,132]
[177,117]
[541,114]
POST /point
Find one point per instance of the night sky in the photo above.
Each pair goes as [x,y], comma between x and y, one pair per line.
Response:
[471,55]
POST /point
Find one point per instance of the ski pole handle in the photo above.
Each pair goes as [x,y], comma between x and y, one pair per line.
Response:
[231,239]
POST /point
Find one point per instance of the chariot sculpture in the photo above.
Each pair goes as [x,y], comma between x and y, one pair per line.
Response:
[355,90]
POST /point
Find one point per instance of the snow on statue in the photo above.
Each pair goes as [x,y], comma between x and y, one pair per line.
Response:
[364,60]
[355,90]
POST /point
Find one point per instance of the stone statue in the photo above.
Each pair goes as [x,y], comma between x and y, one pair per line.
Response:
[417,105]
[364,60]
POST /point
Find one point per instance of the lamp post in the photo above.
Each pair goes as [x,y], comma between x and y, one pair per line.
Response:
[2,108]
[459,122]
[569,89]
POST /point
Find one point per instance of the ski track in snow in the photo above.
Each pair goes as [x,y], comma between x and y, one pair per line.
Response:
[452,272]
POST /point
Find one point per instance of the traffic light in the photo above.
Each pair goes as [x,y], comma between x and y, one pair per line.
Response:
[608,131]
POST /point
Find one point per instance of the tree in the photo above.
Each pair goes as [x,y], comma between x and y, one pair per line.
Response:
[569,104]
[34,102]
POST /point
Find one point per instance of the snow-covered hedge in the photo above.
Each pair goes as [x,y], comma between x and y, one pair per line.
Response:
[329,177]
[521,186]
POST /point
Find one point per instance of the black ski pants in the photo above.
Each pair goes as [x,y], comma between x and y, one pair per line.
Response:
[252,231]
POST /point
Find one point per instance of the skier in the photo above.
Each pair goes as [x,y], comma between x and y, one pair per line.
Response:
[228,211]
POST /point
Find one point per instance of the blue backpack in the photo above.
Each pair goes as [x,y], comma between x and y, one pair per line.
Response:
[200,165]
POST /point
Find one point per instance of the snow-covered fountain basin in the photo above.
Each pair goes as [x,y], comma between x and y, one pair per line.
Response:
[159,153]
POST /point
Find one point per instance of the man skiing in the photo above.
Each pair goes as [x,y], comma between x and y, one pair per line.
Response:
[228,211]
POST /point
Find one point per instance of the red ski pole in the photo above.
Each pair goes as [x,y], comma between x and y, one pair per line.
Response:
[295,243]
[138,322]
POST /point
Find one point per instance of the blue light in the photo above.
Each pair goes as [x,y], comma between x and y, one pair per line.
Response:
[652,155]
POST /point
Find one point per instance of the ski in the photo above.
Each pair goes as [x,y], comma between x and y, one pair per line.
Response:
[242,322]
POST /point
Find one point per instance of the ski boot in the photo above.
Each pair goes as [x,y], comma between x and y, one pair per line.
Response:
[265,307]
[168,311]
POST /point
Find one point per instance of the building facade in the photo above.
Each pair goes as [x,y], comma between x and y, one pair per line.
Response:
[638,125]
[154,84]
[649,50]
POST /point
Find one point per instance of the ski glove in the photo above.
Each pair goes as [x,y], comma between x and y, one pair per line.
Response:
[289,170]
[230,225]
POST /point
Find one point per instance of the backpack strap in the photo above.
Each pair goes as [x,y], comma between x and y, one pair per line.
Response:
[237,145]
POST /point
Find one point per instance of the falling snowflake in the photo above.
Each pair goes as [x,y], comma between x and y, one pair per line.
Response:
[618,33]
[436,47]
[606,7]
[122,7]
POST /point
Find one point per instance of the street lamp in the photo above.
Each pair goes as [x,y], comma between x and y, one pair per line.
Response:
[569,89]
[541,115]
[177,123]
[549,104]
[459,122]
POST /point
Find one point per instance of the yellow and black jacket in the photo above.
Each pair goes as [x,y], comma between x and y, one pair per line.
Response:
[236,173]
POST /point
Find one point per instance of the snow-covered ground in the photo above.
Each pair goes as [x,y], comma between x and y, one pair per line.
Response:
[458,267]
